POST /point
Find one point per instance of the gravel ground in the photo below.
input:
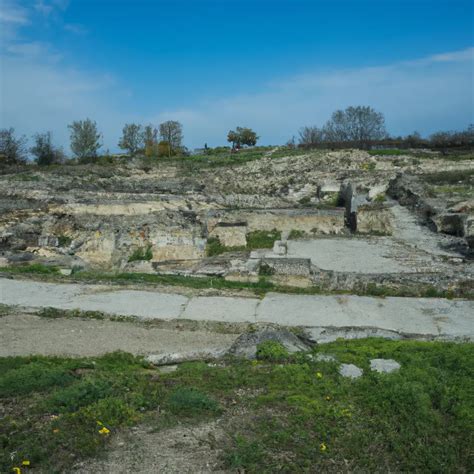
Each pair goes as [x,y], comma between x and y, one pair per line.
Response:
[25,334]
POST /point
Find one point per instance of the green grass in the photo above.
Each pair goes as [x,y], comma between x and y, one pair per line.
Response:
[272,351]
[64,241]
[178,280]
[224,159]
[189,402]
[214,247]
[141,253]
[297,414]
[25,177]
[388,152]
[296,234]
[262,239]
[33,268]
[259,239]
[264,285]
[379,198]
[454,177]
[452,190]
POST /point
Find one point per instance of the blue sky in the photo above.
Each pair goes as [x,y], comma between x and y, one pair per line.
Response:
[273,65]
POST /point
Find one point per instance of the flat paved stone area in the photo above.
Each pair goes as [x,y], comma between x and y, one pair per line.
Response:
[429,317]
[349,255]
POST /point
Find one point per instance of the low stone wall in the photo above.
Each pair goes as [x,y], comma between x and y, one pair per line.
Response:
[230,235]
[357,281]
[289,266]
[316,221]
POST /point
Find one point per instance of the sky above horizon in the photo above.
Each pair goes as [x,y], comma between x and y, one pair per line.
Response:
[272,65]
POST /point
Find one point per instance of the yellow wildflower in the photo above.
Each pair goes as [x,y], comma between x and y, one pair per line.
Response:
[16,470]
[104,431]
[322,447]
[328,398]
[319,375]
[25,462]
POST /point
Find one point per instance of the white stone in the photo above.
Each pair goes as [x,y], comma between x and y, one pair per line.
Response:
[279,247]
[350,370]
[384,365]
[324,358]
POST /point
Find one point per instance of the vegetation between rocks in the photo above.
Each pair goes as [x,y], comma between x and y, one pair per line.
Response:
[288,413]
[260,287]
[258,239]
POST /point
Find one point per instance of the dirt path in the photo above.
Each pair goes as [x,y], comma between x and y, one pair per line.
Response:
[182,449]
[24,334]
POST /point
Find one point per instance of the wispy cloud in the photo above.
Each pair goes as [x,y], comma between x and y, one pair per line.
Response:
[464,55]
[432,93]
[46,8]
[13,13]
[41,91]
[75,28]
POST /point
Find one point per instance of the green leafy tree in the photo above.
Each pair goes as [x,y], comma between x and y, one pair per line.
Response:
[85,138]
[242,136]
[247,136]
[44,150]
[233,137]
[12,149]
[132,138]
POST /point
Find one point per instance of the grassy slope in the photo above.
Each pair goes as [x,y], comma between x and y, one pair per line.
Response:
[299,414]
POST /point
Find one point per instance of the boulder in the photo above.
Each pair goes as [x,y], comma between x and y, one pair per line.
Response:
[384,366]
[350,371]
[246,344]
[451,223]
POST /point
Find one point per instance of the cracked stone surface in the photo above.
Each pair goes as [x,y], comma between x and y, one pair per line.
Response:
[321,315]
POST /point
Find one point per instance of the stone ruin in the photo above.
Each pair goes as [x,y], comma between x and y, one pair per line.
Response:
[372,215]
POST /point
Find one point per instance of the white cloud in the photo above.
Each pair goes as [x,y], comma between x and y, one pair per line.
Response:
[39,95]
[44,8]
[75,28]
[425,95]
[39,92]
[464,55]
[12,13]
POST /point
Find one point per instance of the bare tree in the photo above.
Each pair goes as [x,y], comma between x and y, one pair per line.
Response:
[355,124]
[132,138]
[44,150]
[85,138]
[171,132]
[310,135]
[12,150]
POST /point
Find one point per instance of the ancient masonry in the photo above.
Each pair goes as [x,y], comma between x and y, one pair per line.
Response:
[384,213]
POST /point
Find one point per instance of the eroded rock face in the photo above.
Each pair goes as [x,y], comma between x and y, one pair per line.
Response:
[374,220]
[159,219]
